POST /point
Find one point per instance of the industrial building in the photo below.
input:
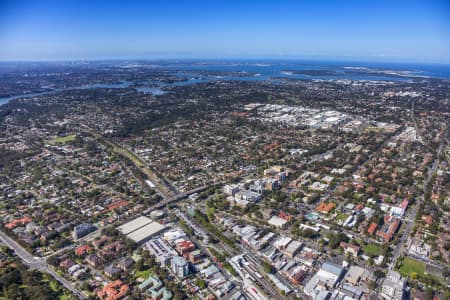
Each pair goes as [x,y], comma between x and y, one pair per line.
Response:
[141,229]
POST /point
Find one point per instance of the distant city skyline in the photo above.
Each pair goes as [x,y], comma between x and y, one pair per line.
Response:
[409,31]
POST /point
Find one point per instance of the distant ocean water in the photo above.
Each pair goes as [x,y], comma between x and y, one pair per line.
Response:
[271,69]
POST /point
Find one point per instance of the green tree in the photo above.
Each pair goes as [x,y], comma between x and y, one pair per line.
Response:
[267,267]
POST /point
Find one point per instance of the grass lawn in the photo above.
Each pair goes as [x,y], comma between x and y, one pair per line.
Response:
[372,250]
[64,139]
[341,217]
[410,265]
[128,154]
[143,274]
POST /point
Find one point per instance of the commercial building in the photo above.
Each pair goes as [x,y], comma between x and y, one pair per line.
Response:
[349,291]
[247,195]
[331,273]
[180,266]
[356,274]
[282,243]
[279,284]
[185,247]
[393,287]
[324,280]
[173,235]
[195,256]
[161,250]
[292,248]
[277,221]
[231,189]
[210,271]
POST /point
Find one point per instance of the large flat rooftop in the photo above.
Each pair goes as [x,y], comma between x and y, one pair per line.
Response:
[134,225]
[146,232]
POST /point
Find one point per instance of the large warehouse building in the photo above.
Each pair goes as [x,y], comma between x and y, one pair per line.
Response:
[141,229]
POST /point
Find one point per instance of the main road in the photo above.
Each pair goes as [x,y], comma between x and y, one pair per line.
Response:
[168,192]
[175,198]
[161,186]
[409,220]
[38,263]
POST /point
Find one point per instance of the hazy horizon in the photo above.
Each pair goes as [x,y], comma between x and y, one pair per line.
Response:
[404,31]
[242,59]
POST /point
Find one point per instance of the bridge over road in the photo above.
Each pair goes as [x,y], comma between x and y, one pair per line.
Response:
[175,198]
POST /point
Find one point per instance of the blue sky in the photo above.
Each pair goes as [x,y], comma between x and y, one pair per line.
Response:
[94,29]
